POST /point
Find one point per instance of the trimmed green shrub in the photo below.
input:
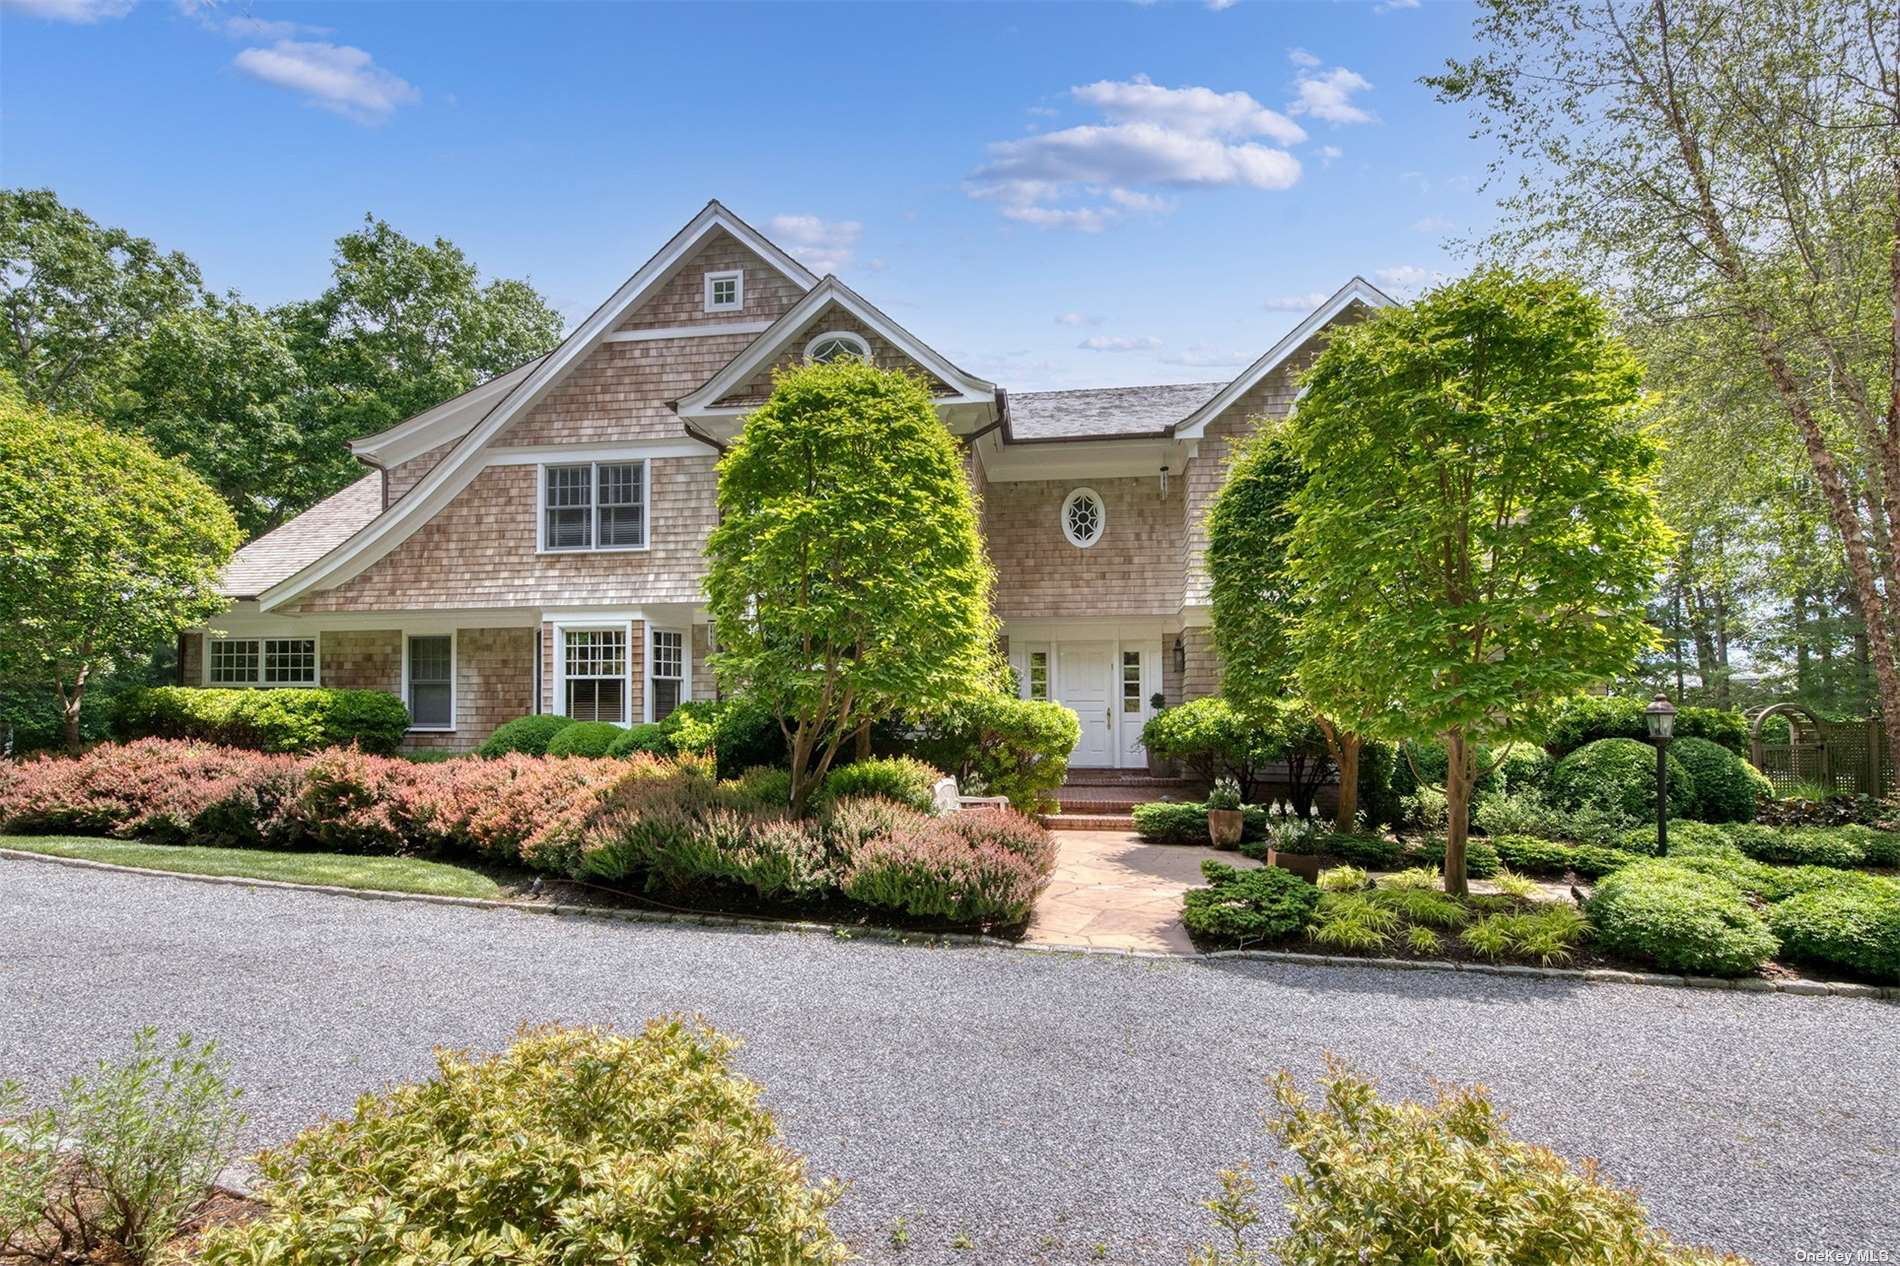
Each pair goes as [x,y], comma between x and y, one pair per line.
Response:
[1263,904]
[1531,813]
[1619,775]
[585,738]
[1481,860]
[1529,855]
[998,745]
[1878,848]
[571,1145]
[1373,852]
[1444,1182]
[1680,919]
[1589,718]
[1185,822]
[1524,767]
[1212,739]
[273,720]
[650,737]
[1724,792]
[742,733]
[1684,837]
[900,779]
[1853,924]
[1804,846]
[528,735]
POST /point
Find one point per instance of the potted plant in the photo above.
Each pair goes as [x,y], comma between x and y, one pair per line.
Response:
[1224,818]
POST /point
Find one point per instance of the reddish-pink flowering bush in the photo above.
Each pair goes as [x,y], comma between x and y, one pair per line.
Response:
[947,868]
[156,789]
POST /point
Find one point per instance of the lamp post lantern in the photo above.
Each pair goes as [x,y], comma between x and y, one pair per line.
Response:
[1661,718]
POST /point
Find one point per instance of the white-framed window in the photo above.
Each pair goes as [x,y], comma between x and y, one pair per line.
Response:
[1038,683]
[836,345]
[1083,517]
[1131,683]
[429,680]
[594,506]
[666,672]
[261,661]
[594,674]
[725,291]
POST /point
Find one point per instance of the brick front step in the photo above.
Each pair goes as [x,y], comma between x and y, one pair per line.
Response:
[1089,822]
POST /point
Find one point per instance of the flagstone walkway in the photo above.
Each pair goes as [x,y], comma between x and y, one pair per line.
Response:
[1112,890]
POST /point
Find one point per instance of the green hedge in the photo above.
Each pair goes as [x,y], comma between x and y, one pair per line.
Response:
[585,738]
[1481,860]
[1680,919]
[902,779]
[1588,718]
[1185,822]
[1726,786]
[528,735]
[265,720]
[1684,837]
[1619,775]
[998,745]
[1530,855]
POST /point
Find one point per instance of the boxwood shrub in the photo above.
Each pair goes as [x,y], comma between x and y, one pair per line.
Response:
[1263,904]
[1619,775]
[1185,822]
[1587,718]
[651,737]
[528,735]
[273,720]
[1726,786]
[1680,919]
[1854,923]
[1481,859]
[585,738]
[901,779]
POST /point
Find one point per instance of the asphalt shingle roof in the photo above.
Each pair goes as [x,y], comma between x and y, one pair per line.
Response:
[1104,411]
[288,548]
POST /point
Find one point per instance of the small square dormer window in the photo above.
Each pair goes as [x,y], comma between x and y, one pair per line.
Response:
[725,292]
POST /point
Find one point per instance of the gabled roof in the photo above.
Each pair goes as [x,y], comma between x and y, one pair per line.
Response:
[459,467]
[434,427]
[768,346]
[1358,290]
[1103,412]
[284,549]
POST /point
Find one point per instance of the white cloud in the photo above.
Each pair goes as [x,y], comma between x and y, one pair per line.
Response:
[1300,57]
[1329,96]
[1298,303]
[1111,343]
[248,28]
[1407,279]
[1153,137]
[1328,153]
[1433,224]
[1218,5]
[335,77]
[824,245]
[1200,357]
[1077,318]
[85,12]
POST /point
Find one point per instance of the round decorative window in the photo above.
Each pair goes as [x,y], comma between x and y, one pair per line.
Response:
[1083,517]
[836,346]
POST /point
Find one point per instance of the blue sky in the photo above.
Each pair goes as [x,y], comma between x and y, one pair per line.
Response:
[1053,195]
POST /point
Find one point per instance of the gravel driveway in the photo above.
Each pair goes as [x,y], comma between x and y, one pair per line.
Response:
[1040,1105]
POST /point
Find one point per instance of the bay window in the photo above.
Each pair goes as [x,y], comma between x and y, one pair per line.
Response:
[594,674]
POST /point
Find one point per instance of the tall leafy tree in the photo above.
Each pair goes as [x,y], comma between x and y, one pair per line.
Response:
[1735,164]
[105,548]
[1478,534]
[1256,602]
[80,299]
[848,583]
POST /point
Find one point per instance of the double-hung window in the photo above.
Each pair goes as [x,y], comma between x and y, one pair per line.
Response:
[261,661]
[431,682]
[667,675]
[594,670]
[594,505]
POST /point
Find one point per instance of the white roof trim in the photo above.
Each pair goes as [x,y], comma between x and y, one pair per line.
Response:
[1358,290]
[970,389]
[437,426]
[458,469]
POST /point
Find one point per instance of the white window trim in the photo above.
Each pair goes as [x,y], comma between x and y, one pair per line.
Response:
[737,277]
[864,348]
[686,668]
[455,664]
[593,485]
[1100,505]
[313,636]
[561,628]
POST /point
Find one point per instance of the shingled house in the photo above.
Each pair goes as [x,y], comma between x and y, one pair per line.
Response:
[537,544]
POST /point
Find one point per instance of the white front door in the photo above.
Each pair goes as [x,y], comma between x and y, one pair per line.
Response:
[1086,687]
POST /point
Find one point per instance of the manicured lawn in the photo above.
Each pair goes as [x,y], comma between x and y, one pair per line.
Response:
[390,874]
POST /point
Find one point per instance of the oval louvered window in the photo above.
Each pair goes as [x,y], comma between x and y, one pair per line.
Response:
[829,347]
[1083,518]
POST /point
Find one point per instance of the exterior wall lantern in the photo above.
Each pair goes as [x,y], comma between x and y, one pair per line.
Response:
[1164,481]
[1180,657]
[1661,718]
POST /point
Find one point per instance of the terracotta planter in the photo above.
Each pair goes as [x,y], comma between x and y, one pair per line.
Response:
[1224,827]
[1305,865]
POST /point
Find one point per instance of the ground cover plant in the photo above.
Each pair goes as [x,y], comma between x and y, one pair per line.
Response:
[576,1145]
[1263,904]
[642,824]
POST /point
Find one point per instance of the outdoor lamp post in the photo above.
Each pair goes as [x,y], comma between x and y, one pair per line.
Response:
[1661,716]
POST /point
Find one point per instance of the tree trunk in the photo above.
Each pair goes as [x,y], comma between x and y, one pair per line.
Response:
[862,749]
[1459,776]
[1346,819]
[69,713]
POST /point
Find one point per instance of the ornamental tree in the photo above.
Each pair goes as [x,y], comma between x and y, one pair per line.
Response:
[847,581]
[105,549]
[1256,601]
[1478,533]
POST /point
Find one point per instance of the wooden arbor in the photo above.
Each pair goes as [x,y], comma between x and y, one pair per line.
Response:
[1846,756]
